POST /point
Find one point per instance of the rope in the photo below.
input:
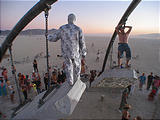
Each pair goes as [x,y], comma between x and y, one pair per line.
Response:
[46,35]
[14,73]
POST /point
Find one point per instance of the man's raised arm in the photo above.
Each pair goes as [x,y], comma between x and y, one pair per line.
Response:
[82,44]
[129,30]
[55,36]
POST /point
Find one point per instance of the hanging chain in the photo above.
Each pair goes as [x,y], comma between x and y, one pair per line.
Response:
[14,73]
[46,35]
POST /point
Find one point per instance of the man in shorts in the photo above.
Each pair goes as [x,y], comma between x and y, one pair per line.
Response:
[123,43]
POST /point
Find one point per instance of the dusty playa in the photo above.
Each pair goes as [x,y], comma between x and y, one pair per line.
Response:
[145,53]
[145,58]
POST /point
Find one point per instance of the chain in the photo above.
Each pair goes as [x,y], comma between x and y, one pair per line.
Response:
[14,73]
[46,35]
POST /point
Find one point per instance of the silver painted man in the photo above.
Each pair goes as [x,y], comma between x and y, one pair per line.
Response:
[72,46]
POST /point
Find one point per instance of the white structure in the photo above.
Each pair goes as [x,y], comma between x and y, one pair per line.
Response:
[116,73]
[58,104]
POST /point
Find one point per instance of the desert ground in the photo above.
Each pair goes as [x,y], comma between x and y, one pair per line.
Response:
[145,58]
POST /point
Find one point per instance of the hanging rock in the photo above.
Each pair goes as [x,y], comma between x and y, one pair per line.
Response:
[115,78]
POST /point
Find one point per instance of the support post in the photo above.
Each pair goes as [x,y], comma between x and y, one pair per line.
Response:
[14,74]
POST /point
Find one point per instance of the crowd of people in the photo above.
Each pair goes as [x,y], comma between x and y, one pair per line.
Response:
[5,87]
[29,83]
[26,82]
[33,83]
[124,106]
[152,83]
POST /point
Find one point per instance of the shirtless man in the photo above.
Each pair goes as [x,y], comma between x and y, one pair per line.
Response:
[123,43]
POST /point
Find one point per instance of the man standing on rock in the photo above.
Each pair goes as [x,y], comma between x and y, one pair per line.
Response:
[123,43]
[72,46]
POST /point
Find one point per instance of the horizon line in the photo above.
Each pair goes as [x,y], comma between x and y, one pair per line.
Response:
[86,33]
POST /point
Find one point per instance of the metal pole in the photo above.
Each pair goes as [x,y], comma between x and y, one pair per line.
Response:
[14,74]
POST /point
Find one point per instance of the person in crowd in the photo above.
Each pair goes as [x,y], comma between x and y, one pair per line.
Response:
[98,56]
[138,118]
[125,113]
[27,82]
[19,78]
[3,88]
[149,80]
[124,99]
[54,78]
[1,70]
[155,87]
[156,84]
[35,65]
[93,74]
[142,81]
[46,81]
[2,115]
[24,90]
[34,88]
[12,92]
[92,45]
[34,76]
[22,80]
[37,81]
[59,78]
[72,46]
[129,87]
[5,74]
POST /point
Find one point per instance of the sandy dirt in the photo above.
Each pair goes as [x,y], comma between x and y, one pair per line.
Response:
[145,58]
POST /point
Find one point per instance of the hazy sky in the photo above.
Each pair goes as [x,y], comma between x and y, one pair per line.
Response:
[92,16]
